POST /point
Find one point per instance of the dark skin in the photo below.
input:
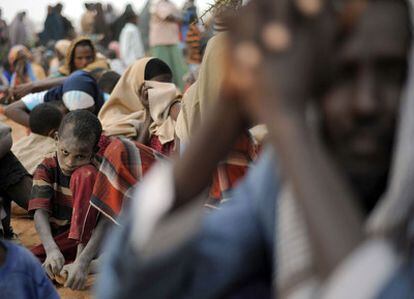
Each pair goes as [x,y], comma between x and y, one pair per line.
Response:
[359,113]
[77,272]
[6,143]
[82,57]
[272,90]
[19,192]
[20,91]
[71,154]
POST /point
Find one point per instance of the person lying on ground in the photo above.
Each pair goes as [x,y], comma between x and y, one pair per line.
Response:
[79,91]
[81,55]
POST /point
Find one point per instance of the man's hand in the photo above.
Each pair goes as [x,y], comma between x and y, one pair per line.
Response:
[53,263]
[77,274]
[276,53]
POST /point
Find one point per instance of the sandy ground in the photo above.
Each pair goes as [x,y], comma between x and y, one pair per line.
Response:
[24,227]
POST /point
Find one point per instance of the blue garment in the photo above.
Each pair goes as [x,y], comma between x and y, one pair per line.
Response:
[80,81]
[22,277]
[231,257]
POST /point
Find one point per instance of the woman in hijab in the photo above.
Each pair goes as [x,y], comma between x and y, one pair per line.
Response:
[141,113]
[61,47]
[81,55]
[24,69]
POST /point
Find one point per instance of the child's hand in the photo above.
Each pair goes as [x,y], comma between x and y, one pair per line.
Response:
[54,263]
[77,274]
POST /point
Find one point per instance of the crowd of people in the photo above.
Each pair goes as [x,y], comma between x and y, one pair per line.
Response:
[267,155]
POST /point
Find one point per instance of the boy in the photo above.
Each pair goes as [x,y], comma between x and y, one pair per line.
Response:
[45,119]
[107,83]
[21,275]
[44,122]
[62,186]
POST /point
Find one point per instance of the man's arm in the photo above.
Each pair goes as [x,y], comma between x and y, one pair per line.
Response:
[18,112]
[37,86]
[192,173]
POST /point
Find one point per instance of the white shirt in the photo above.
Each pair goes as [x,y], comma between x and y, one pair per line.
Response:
[130,44]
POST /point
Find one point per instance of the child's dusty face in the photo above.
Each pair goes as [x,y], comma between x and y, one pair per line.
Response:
[73,153]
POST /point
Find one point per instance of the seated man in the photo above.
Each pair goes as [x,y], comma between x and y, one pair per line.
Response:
[255,239]
[21,275]
[15,182]
[62,186]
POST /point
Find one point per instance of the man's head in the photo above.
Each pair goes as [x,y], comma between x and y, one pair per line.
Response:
[360,106]
[77,140]
[45,119]
[84,54]
[58,8]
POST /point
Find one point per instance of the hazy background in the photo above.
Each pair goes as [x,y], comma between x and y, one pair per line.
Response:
[73,9]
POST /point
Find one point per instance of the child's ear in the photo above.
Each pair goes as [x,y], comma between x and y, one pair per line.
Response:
[56,136]
[52,134]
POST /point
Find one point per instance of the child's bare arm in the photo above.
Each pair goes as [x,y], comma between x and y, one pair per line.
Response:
[77,272]
[54,258]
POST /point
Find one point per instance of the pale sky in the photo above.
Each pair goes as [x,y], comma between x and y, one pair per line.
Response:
[73,9]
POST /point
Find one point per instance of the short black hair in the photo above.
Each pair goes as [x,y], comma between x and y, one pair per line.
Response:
[108,81]
[84,125]
[156,67]
[45,118]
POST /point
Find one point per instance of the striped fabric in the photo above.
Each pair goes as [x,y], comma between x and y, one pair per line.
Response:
[124,164]
[51,192]
[230,171]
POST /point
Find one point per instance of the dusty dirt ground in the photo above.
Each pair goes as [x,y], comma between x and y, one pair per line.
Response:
[24,227]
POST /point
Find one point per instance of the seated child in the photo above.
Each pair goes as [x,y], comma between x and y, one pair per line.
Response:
[62,187]
[107,83]
[15,182]
[21,275]
[44,121]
